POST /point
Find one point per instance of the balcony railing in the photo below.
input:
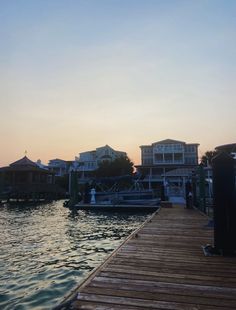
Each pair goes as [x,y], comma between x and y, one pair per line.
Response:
[168,161]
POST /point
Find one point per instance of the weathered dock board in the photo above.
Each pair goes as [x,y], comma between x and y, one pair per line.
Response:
[163,267]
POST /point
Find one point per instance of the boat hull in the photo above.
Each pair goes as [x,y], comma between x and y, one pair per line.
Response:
[110,207]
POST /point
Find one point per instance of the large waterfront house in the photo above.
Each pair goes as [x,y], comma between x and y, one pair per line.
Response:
[59,166]
[88,162]
[169,163]
[24,179]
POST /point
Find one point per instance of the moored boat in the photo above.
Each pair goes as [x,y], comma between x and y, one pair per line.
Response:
[134,197]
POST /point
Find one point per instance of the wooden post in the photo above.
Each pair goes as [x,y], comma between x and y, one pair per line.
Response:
[202,193]
[73,188]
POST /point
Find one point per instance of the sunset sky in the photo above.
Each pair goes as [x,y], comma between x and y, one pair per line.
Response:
[78,74]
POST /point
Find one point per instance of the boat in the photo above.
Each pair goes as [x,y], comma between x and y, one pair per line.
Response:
[142,200]
[135,197]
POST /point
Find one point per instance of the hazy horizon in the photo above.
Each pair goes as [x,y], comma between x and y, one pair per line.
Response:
[77,75]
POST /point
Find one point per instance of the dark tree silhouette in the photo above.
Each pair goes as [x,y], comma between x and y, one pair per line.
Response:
[117,167]
[207,158]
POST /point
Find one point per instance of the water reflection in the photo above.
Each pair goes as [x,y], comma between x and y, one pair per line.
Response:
[46,250]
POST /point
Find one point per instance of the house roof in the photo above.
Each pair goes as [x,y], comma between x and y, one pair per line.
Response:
[169,141]
[58,159]
[230,148]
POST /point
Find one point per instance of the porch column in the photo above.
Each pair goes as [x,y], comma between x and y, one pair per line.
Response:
[183,185]
[150,178]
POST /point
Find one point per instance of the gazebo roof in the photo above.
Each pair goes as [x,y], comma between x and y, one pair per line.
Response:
[24,161]
[25,164]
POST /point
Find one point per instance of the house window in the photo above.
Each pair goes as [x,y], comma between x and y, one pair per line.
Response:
[178,157]
[158,157]
[168,157]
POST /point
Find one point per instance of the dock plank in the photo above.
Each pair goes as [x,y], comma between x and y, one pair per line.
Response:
[132,292]
[162,266]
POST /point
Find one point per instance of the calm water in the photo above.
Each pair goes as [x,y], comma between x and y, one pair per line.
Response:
[46,250]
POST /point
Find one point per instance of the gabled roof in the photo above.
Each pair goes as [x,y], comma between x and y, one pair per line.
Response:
[105,147]
[168,141]
[57,159]
[25,161]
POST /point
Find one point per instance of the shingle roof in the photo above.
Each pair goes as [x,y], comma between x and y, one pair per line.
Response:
[168,141]
[24,164]
[25,161]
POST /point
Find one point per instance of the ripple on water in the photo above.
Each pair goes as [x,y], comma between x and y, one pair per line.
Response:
[47,250]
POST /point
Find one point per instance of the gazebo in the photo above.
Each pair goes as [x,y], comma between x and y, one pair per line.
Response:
[24,179]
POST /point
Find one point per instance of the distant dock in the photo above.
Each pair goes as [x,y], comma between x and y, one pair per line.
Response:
[162,266]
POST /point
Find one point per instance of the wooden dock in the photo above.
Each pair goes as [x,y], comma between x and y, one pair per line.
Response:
[163,267]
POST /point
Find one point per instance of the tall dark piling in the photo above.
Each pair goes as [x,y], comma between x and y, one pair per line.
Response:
[224,203]
[202,193]
[73,188]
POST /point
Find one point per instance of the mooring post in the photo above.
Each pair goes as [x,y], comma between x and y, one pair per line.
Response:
[224,203]
[202,192]
[73,187]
